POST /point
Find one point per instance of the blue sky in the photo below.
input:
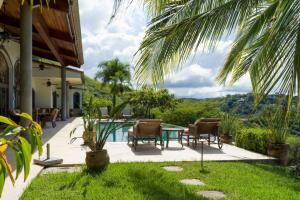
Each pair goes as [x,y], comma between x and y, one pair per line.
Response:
[122,37]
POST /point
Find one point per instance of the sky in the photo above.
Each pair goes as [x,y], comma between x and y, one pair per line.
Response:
[121,38]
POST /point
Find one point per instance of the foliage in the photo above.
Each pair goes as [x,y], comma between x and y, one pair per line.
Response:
[115,73]
[267,42]
[189,110]
[149,181]
[229,124]
[146,99]
[294,149]
[90,117]
[13,136]
[275,120]
[254,139]
[109,126]
[95,89]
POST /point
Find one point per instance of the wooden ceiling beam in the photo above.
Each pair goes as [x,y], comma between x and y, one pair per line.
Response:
[59,5]
[55,34]
[41,27]
[43,46]
[49,55]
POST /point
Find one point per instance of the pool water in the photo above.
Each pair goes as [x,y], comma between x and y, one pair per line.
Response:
[121,134]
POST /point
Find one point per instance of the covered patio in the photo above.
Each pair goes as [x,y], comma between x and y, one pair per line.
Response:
[29,37]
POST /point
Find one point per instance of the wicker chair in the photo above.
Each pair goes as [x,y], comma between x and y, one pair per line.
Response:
[206,126]
[146,129]
[50,118]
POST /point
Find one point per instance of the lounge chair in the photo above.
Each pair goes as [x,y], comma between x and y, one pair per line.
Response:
[104,112]
[50,118]
[207,127]
[127,112]
[146,129]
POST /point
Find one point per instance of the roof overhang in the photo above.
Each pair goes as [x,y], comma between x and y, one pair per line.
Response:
[74,76]
[56,29]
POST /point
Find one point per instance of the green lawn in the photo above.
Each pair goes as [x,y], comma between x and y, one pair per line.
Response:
[149,181]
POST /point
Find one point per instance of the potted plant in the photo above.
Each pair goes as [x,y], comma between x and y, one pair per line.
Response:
[97,158]
[229,125]
[278,125]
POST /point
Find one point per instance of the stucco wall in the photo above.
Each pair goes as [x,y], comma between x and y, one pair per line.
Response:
[71,93]
[43,94]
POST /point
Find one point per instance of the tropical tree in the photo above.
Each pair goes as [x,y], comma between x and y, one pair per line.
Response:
[146,99]
[266,45]
[115,73]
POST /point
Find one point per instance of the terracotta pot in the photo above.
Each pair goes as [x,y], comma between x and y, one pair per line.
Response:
[97,160]
[280,151]
[226,138]
[88,136]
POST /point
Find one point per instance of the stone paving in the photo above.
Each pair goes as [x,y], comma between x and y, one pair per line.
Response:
[74,154]
[211,194]
[173,168]
[191,182]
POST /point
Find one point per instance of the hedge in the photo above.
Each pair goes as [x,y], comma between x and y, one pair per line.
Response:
[254,139]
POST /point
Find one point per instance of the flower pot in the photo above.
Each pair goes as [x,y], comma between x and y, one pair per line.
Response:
[280,151]
[97,160]
[88,136]
[226,138]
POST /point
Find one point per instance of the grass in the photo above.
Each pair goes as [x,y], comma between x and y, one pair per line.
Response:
[148,181]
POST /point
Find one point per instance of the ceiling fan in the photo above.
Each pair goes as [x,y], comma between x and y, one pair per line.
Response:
[42,67]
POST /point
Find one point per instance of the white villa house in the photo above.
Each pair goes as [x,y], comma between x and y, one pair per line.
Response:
[40,57]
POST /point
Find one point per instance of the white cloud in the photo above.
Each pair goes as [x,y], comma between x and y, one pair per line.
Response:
[121,38]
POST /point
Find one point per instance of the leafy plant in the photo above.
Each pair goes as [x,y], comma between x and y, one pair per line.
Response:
[229,124]
[107,127]
[13,136]
[275,120]
[90,116]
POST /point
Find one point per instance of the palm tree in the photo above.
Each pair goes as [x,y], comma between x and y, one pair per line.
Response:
[266,45]
[115,73]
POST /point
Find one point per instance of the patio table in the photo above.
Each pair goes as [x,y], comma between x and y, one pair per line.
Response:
[179,132]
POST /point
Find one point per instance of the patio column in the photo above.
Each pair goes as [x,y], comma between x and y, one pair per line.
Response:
[26,59]
[68,100]
[63,94]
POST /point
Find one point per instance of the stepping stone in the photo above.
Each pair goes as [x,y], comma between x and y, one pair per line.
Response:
[173,168]
[191,182]
[211,194]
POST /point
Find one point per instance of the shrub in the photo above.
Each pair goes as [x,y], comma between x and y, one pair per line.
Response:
[179,117]
[254,139]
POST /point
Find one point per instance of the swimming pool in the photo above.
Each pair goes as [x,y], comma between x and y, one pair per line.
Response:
[121,134]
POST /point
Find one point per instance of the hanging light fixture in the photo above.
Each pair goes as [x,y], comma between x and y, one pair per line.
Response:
[49,83]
